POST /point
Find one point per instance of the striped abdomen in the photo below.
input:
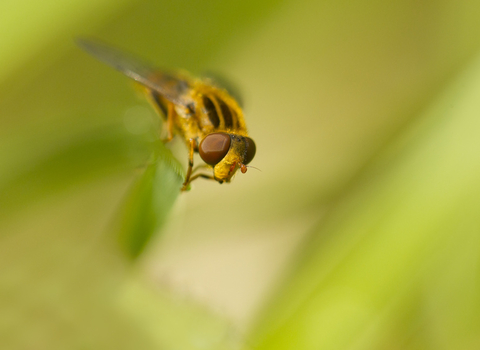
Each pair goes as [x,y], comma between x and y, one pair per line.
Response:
[210,110]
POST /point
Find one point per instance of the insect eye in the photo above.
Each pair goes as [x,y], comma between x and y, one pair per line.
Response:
[214,147]
[250,150]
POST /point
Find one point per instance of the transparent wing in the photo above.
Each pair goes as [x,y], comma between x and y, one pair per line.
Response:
[168,85]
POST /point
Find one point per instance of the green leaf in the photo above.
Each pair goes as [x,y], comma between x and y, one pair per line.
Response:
[406,233]
[149,202]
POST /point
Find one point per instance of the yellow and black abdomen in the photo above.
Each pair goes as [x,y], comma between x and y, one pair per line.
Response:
[209,110]
[217,111]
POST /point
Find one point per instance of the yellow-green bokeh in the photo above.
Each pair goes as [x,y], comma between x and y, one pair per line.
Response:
[359,232]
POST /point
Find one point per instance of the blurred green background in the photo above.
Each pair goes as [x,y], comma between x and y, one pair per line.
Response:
[361,231]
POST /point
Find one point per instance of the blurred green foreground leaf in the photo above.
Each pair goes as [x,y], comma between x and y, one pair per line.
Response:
[395,263]
[149,202]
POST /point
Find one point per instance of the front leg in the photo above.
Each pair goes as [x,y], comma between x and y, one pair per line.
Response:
[192,146]
[170,117]
[204,176]
[163,108]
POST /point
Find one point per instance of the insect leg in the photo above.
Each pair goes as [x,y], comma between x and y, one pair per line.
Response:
[205,176]
[198,167]
[170,116]
[163,108]
[192,146]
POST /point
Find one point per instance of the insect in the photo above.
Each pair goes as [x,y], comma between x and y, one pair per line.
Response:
[208,119]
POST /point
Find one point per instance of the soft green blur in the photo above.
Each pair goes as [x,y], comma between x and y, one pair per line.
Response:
[360,231]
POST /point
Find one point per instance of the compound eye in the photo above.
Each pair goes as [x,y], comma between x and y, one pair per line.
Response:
[214,147]
[250,150]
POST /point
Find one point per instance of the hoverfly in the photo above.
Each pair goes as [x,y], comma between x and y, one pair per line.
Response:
[206,116]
